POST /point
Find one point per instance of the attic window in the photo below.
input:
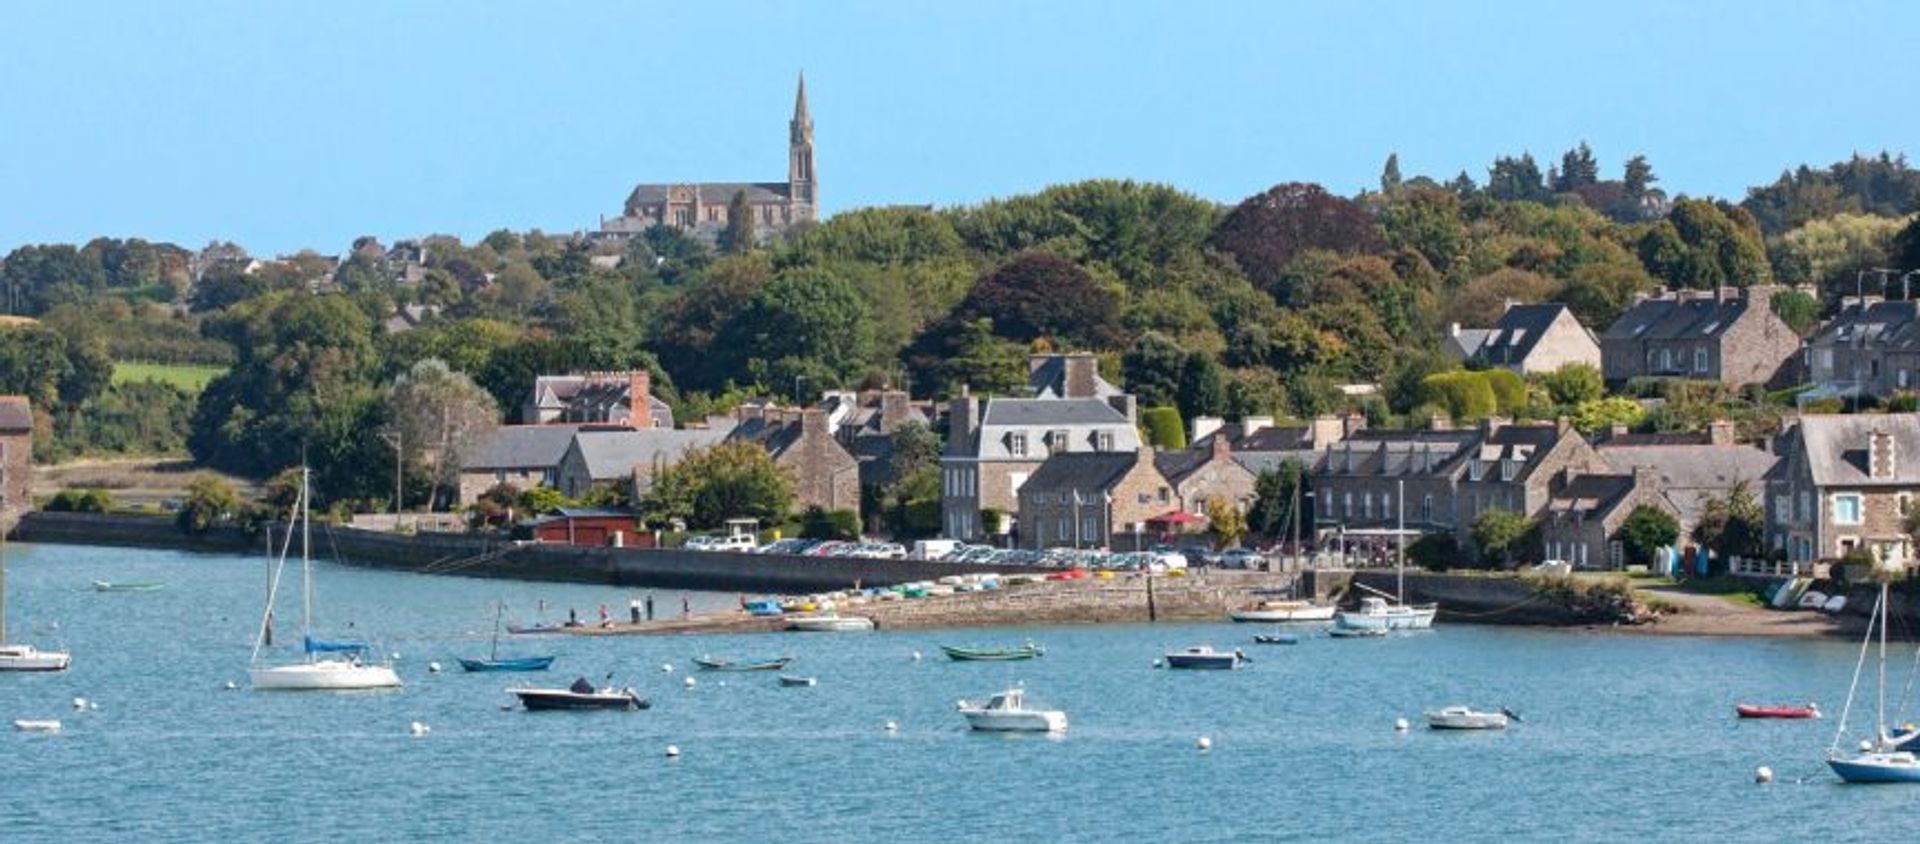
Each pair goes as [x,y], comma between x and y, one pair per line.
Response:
[1103,441]
[1507,469]
[1057,440]
[1017,445]
[1710,327]
[1640,329]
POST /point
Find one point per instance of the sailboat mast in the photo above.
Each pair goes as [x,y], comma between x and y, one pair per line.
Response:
[499,610]
[1400,535]
[306,557]
[1880,712]
[3,587]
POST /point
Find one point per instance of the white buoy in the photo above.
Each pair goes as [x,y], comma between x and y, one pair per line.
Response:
[1156,663]
[688,682]
[892,727]
[666,668]
[433,668]
[1763,775]
[1399,725]
[673,751]
[418,728]
[1204,743]
[395,656]
[723,684]
[916,656]
[231,685]
[93,706]
[80,703]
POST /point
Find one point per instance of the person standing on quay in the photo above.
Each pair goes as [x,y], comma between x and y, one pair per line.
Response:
[649,606]
[633,609]
[686,607]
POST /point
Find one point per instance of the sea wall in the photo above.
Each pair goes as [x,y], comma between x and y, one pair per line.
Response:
[480,556]
[1477,598]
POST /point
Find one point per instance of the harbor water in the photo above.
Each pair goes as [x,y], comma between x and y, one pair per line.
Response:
[1624,737]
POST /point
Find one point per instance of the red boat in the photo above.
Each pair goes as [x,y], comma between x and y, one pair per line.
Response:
[1747,710]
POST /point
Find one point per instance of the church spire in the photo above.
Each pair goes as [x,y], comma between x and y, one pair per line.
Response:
[800,115]
[802,185]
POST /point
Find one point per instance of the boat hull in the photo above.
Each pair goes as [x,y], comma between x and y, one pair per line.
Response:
[723,665]
[978,655]
[557,700]
[1398,618]
[796,681]
[842,624]
[1776,712]
[1466,721]
[987,721]
[531,663]
[103,586]
[1210,662]
[1875,768]
[29,658]
[325,675]
[1284,616]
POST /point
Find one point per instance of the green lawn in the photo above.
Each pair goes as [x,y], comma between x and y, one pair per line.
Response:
[190,377]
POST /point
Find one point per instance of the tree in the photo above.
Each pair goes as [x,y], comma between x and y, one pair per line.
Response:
[1638,177]
[806,315]
[1265,232]
[210,501]
[738,235]
[1512,179]
[1277,492]
[819,523]
[1153,368]
[1732,525]
[1578,169]
[1699,245]
[735,479]
[1465,396]
[1596,415]
[438,417]
[1225,522]
[1574,383]
[1647,530]
[1201,392]
[1041,295]
[1390,181]
[1501,536]
[1800,311]
[1164,428]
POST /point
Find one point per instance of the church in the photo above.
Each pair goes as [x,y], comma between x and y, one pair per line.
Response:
[702,208]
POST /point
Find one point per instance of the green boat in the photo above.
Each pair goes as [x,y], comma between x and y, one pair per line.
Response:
[1026,651]
[103,586]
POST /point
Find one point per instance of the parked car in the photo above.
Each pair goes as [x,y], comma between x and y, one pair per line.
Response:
[1240,558]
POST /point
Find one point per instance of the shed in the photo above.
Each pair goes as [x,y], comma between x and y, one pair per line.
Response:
[590,527]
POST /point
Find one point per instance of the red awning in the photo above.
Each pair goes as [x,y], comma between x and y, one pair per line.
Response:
[1175,518]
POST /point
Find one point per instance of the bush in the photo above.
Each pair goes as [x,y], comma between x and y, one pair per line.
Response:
[1646,530]
[210,501]
[1466,396]
[817,523]
[1164,428]
[1509,391]
[80,501]
[1573,384]
[1437,552]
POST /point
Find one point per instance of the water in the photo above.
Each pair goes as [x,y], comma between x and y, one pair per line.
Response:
[1625,737]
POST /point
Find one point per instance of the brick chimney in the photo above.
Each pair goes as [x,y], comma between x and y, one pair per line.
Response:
[1081,371]
[1352,423]
[962,422]
[1491,425]
[1221,450]
[1882,455]
[895,407]
[1646,478]
[640,398]
[813,421]
[1722,432]
[1759,295]
[1616,430]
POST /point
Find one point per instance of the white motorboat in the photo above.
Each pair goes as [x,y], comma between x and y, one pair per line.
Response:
[830,624]
[1205,657]
[1467,718]
[1007,712]
[1377,613]
[1284,611]
[22,657]
[31,725]
[326,666]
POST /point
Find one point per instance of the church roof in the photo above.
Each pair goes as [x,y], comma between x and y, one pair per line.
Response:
[713,193]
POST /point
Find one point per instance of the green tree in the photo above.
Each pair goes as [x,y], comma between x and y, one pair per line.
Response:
[738,236]
[1573,384]
[210,501]
[735,479]
[1513,179]
[1153,367]
[1733,524]
[806,315]
[1597,415]
[1164,428]
[1578,169]
[1390,181]
[1465,396]
[819,523]
[1800,311]
[1201,392]
[438,417]
[1647,530]
[1501,536]
[1277,492]
[1225,522]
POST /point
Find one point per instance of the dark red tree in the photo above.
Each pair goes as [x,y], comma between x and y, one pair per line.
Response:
[1267,230]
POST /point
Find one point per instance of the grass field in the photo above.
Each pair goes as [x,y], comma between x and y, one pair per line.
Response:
[190,377]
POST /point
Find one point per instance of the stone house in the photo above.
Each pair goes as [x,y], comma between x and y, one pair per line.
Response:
[1845,484]
[598,398]
[1582,520]
[1261,446]
[802,442]
[1200,475]
[1093,499]
[865,423]
[1526,339]
[995,445]
[16,459]
[525,456]
[1728,335]
[1871,348]
[1690,470]
[626,457]
[1445,478]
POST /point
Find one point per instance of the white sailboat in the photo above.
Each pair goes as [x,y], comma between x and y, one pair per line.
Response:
[1879,759]
[20,656]
[1378,612]
[326,666]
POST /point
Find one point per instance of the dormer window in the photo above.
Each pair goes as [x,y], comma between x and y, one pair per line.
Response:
[1017,445]
[1507,468]
[1103,441]
[1476,470]
[1057,440]
[1700,359]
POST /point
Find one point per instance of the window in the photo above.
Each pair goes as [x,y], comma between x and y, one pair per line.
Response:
[1346,505]
[1666,360]
[1806,506]
[1165,495]
[1426,508]
[1017,445]
[1103,441]
[1846,509]
[1366,505]
[1057,440]
[1508,467]
[1700,359]
[1090,529]
[683,216]
[1873,368]
[1386,506]
[1476,470]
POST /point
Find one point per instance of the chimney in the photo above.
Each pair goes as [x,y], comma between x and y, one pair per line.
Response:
[1222,450]
[961,423]
[1491,425]
[1204,426]
[1453,329]
[1080,371]
[1722,432]
[1325,431]
[1882,455]
[1350,423]
[1726,293]
[1126,405]
[1034,362]
[1759,295]
[1440,421]
[813,421]
[640,398]
[1646,478]
[1251,425]
[895,407]
[1616,430]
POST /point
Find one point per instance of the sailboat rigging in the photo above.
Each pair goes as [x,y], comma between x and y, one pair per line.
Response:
[1879,759]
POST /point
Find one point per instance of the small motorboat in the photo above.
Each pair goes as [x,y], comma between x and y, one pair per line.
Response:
[712,664]
[1751,710]
[580,695]
[1284,611]
[1276,639]
[1339,632]
[1007,712]
[830,624]
[34,725]
[30,658]
[104,586]
[1204,657]
[535,629]
[1466,718]
[790,680]
[1018,652]
[523,663]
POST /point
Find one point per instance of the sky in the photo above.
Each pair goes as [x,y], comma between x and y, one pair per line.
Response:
[283,126]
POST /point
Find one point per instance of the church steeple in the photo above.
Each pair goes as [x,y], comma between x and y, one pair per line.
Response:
[800,176]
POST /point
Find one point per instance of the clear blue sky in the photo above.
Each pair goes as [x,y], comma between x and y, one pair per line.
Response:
[288,125]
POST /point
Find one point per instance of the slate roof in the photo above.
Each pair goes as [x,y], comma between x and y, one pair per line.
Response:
[594,397]
[1591,496]
[714,193]
[16,414]
[522,447]
[1267,439]
[1514,336]
[1836,448]
[614,454]
[1040,412]
[1670,318]
[1049,380]
[1889,326]
[1085,471]
[1390,453]
[1178,464]
[1692,473]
